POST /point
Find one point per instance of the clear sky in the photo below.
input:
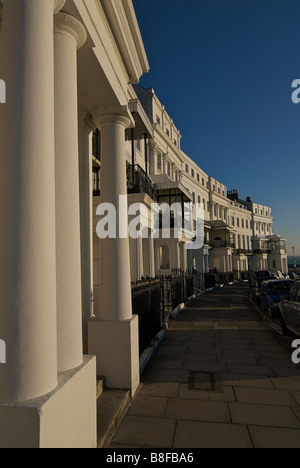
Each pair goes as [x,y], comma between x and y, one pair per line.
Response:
[224,70]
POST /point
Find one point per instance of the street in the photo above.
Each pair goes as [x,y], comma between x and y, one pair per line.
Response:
[222,377]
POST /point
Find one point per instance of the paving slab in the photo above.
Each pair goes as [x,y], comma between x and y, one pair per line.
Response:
[263,415]
[146,432]
[148,406]
[270,437]
[264,396]
[196,410]
[191,434]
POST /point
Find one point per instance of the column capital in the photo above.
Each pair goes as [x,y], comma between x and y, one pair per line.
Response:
[67,24]
[58,5]
[112,120]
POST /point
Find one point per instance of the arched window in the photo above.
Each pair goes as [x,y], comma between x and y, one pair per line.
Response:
[164,258]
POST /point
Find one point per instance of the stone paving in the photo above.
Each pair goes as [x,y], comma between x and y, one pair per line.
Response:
[221,378]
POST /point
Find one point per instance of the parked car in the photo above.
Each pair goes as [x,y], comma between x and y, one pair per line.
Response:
[294,276]
[290,311]
[272,292]
[256,281]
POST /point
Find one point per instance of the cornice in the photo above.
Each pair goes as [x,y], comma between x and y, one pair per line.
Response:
[123,24]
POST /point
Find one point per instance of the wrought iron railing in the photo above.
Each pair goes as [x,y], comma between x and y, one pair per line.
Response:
[154,299]
[148,305]
[138,181]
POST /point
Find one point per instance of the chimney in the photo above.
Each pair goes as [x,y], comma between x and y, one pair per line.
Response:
[233,195]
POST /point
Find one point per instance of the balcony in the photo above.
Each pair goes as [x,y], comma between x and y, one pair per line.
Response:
[216,244]
[261,251]
[138,181]
[243,252]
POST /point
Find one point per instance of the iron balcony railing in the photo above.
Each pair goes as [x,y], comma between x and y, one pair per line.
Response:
[138,181]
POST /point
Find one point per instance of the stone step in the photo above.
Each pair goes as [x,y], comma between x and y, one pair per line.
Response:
[111,407]
[100,386]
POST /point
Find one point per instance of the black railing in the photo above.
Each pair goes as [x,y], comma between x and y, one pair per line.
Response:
[138,181]
[148,305]
[177,288]
[96,181]
[154,299]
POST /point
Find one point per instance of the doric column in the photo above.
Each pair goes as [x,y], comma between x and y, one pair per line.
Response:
[27,201]
[152,273]
[115,287]
[139,258]
[69,35]
[113,334]
[177,263]
[86,128]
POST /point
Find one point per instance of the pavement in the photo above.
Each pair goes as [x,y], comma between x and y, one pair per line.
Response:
[222,378]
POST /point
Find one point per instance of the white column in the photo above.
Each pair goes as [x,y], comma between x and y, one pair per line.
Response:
[139,258]
[113,335]
[177,264]
[151,256]
[69,35]
[27,201]
[115,287]
[183,254]
[86,220]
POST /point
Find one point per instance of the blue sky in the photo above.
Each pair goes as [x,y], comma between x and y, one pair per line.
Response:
[224,71]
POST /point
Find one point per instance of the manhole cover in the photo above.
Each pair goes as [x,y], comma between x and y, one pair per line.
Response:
[205,381]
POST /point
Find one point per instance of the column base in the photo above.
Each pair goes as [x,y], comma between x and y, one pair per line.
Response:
[116,346]
[66,418]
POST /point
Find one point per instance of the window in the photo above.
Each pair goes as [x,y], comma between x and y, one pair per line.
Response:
[193,173]
[274,264]
[247,224]
[157,120]
[199,199]
[194,198]
[243,223]
[159,165]
[238,222]
[198,178]
[232,221]
[164,258]
[138,145]
[175,142]
[169,169]
[168,132]
[203,181]
[204,204]
[186,168]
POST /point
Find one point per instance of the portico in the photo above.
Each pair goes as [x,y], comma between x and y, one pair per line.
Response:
[48,386]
